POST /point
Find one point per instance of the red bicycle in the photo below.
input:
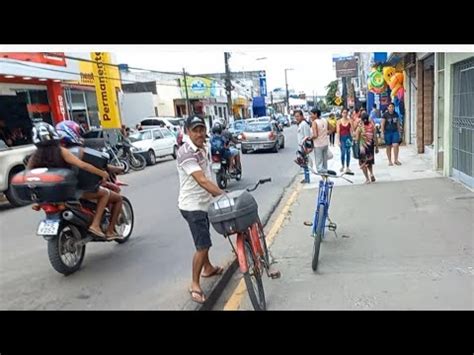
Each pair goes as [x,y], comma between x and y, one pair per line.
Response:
[237,213]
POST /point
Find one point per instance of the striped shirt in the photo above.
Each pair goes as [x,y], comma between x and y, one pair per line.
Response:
[192,197]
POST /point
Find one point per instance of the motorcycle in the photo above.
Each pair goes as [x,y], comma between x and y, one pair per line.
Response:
[68,218]
[220,167]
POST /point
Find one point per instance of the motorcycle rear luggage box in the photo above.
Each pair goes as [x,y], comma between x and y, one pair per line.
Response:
[233,212]
[45,185]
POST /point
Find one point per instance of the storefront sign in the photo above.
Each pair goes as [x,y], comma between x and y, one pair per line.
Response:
[53,58]
[346,68]
[105,78]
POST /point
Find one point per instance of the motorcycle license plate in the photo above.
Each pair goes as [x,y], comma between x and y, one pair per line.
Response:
[216,166]
[48,227]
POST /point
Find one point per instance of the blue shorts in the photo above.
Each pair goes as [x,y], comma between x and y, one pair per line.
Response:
[392,137]
[230,152]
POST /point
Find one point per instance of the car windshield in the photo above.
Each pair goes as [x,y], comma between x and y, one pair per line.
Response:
[176,121]
[239,125]
[258,127]
[140,136]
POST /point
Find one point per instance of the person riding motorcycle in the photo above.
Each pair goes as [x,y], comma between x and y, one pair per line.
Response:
[71,139]
[50,154]
[222,140]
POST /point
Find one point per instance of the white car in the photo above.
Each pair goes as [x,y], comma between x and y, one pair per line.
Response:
[154,143]
[172,123]
[12,161]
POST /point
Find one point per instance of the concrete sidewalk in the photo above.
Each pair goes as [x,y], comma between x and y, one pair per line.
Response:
[403,242]
[400,245]
[414,166]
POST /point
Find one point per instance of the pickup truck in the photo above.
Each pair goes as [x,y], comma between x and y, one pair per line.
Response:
[12,162]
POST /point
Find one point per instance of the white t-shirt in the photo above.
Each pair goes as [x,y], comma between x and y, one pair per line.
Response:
[192,197]
[304,130]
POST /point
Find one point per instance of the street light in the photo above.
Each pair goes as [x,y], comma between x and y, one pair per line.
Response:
[287,93]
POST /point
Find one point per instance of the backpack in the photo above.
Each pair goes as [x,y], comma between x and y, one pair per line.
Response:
[217,144]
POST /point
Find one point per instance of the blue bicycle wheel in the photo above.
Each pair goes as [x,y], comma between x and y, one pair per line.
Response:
[318,236]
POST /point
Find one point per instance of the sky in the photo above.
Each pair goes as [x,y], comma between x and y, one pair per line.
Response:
[312,66]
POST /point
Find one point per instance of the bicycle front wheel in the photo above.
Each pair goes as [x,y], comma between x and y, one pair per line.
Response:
[253,279]
[318,236]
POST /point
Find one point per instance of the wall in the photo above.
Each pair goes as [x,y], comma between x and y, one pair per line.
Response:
[450,59]
[136,106]
[167,92]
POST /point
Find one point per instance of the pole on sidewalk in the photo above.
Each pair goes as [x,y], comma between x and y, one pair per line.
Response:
[287,94]
[228,83]
[188,104]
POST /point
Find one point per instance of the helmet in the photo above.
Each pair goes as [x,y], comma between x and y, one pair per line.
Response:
[70,132]
[308,144]
[217,128]
[43,133]
[301,159]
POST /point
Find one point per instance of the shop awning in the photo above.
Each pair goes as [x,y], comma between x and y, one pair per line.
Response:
[35,70]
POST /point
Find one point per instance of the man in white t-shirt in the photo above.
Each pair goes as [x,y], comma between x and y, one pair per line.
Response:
[304,132]
[196,190]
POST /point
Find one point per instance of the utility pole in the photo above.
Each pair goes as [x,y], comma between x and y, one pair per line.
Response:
[228,83]
[188,104]
[287,95]
[287,92]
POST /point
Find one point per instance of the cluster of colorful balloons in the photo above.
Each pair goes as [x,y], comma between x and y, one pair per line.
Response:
[394,80]
[376,81]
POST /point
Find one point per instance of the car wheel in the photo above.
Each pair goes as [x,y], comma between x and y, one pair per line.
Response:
[151,158]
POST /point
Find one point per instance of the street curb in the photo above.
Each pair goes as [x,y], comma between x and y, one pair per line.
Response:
[219,286]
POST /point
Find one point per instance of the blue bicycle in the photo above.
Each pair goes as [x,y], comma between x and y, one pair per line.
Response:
[323,202]
[322,211]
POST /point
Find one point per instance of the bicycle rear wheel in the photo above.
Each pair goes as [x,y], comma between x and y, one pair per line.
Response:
[318,236]
[253,279]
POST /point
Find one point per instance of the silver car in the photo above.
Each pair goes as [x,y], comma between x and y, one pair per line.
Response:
[262,136]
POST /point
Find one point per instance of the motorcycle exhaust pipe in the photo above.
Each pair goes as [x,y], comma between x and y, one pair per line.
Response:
[73,218]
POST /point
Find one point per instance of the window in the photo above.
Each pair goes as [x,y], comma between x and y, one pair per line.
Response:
[225,113]
[215,110]
[220,112]
[166,133]
[157,134]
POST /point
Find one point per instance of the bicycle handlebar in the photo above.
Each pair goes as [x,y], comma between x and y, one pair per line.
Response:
[261,181]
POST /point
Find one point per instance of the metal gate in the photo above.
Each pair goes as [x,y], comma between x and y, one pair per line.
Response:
[463,122]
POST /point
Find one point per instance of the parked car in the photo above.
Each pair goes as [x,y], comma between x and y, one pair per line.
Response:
[154,143]
[174,124]
[262,136]
[12,161]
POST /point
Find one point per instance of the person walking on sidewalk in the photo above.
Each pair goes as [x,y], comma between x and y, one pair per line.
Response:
[304,132]
[319,129]
[344,140]
[196,190]
[332,123]
[390,130]
[365,136]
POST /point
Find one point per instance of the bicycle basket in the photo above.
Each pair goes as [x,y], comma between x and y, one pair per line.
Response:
[233,212]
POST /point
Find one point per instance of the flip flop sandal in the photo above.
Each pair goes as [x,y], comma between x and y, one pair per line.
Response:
[96,233]
[217,271]
[201,299]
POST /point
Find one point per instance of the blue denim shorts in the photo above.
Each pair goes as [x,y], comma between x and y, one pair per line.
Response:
[392,137]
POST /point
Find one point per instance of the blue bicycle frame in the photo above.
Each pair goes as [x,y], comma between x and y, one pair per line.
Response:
[324,198]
